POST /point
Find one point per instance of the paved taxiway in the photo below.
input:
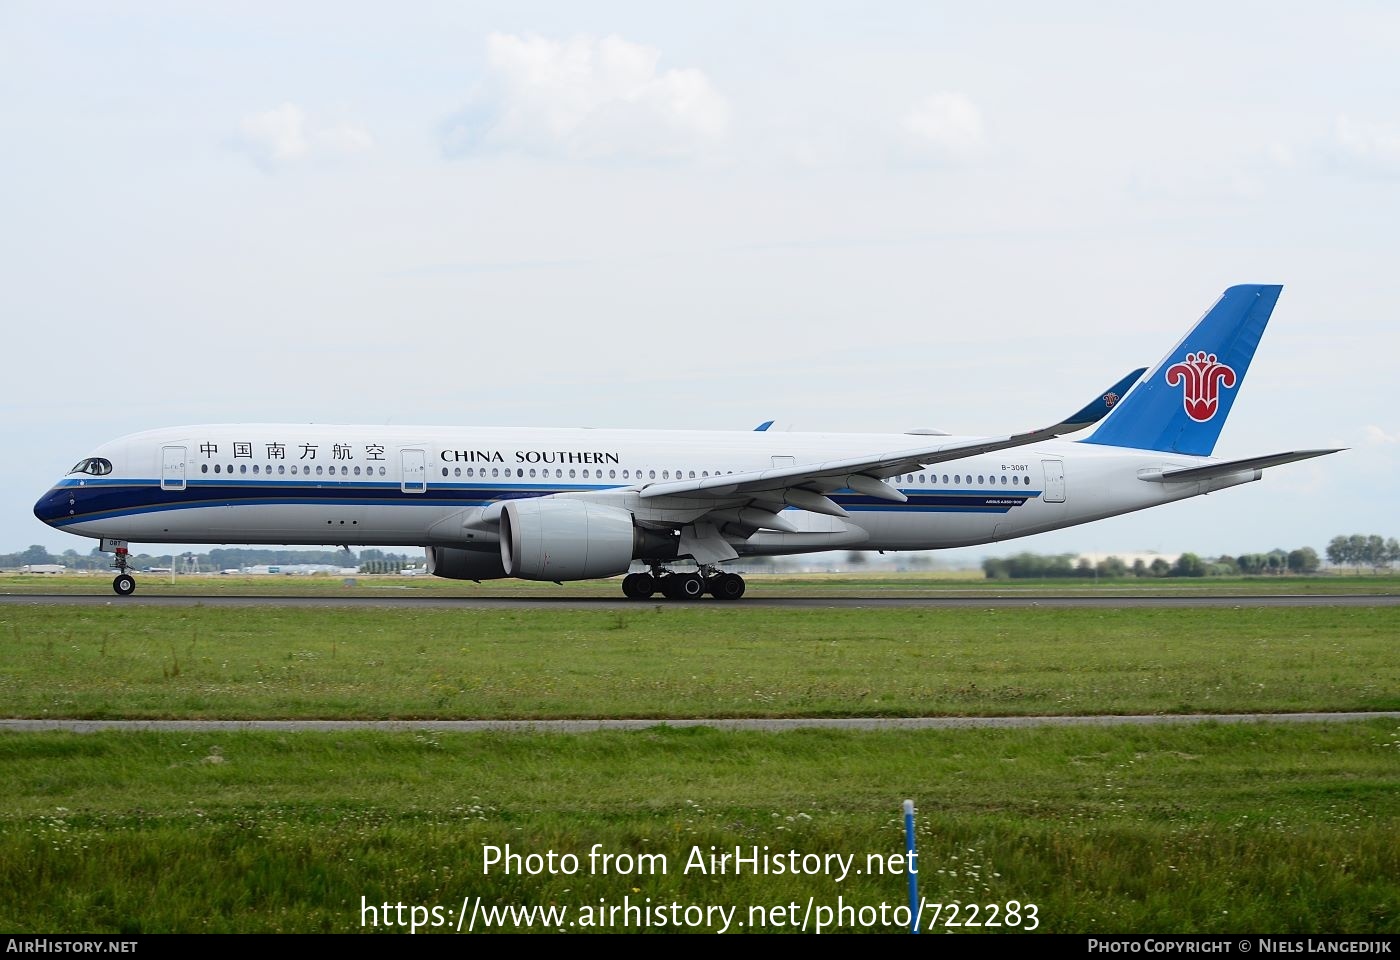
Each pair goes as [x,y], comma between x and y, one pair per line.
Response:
[607,603]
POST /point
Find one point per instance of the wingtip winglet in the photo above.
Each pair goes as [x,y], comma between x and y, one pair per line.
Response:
[1103,404]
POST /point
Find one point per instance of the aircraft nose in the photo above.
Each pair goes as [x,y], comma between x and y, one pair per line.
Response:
[53,506]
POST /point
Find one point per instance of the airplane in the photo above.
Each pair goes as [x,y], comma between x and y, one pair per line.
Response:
[577,504]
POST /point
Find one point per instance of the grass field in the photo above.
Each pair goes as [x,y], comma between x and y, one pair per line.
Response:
[665,660]
[1255,828]
[1240,828]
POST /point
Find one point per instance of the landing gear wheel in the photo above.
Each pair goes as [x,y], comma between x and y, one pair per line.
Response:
[124,584]
[638,586]
[726,586]
[683,586]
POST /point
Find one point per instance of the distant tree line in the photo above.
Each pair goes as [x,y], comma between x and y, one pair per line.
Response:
[222,558]
[1360,550]
[1026,566]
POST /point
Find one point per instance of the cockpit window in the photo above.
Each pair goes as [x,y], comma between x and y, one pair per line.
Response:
[96,466]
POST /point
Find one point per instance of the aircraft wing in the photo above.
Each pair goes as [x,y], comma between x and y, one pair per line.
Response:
[865,474]
[1231,466]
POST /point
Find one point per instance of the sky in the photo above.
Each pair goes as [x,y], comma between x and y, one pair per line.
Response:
[838,216]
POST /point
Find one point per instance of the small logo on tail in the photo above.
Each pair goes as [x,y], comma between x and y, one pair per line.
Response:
[1203,377]
[1109,399]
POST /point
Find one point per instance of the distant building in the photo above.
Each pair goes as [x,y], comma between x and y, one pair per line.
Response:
[1131,558]
[294,569]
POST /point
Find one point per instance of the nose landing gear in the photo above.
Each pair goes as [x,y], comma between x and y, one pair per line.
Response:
[123,584]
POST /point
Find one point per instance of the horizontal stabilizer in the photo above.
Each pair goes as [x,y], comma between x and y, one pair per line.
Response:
[1184,474]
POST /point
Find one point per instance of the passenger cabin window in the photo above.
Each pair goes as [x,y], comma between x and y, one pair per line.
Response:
[93,466]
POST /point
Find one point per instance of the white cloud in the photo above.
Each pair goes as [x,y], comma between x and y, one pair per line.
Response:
[282,135]
[1372,148]
[1375,436]
[589,98]
[948,125]
[344,138]
[276,136]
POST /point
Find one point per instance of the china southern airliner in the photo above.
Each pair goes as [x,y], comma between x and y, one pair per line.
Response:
[576,504]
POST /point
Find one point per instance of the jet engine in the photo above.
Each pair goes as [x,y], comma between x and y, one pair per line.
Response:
[454,564]
[549,539]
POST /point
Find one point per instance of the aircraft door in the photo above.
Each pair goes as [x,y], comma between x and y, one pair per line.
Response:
[1054,481]
[172,468]
[414,464]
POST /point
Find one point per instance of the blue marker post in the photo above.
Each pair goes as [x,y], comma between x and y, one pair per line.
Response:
[911,865]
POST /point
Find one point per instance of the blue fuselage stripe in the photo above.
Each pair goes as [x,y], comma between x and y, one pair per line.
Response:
[105,499]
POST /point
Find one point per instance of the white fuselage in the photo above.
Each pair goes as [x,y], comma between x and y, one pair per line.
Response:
[427,486]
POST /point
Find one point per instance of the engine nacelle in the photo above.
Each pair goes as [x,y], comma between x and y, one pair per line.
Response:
[451,563]
[547,539]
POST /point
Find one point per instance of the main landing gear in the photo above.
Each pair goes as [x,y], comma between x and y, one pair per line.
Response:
[683,586]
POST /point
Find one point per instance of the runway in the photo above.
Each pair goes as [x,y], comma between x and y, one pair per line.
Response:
[811,602]
[765,724]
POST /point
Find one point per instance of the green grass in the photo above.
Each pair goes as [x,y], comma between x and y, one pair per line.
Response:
[1253,828]
[1213,828]
[690,661]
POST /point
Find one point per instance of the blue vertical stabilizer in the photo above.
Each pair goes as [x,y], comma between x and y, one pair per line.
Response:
[1181,405]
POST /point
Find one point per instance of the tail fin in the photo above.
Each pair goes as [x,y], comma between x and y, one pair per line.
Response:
[1181,405]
